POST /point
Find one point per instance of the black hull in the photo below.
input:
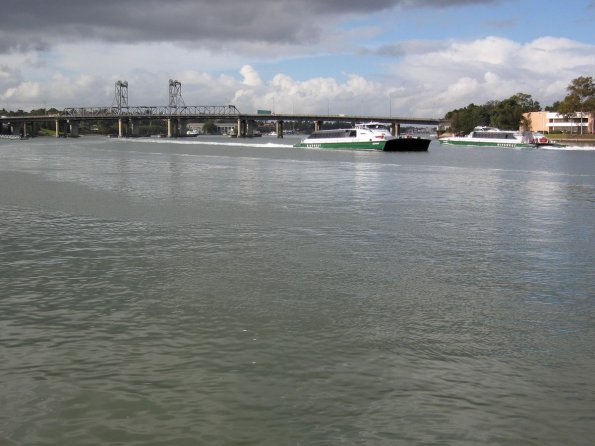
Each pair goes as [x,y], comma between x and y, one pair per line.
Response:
[407,145]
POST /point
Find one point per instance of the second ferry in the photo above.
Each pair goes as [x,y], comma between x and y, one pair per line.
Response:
[494,137]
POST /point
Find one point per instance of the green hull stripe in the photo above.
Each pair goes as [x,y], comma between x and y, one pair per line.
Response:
[343,145]
[487,144]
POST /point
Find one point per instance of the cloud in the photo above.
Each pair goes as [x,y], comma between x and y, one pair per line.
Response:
[27,25]
[469,71]
[24,91]
[251,77]
[492,68]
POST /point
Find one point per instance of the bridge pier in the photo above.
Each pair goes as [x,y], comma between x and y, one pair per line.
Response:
[174,127]
[240,129]
[74,129]
[279,128]
[16,129]
[245,128]
[317,126]
[127,127]
[134,127]
[182,126]
[395,128]
[250,128]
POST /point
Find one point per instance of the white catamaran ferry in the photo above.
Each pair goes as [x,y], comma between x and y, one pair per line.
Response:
[493,137]
[364,136]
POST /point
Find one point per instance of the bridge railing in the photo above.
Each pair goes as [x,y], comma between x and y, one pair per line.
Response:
[163,111]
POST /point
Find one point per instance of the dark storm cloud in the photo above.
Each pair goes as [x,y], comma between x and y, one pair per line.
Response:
[37,24]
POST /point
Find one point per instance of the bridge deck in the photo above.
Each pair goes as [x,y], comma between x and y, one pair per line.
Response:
[203,112]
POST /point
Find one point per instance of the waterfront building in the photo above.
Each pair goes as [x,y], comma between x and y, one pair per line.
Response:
[552,122]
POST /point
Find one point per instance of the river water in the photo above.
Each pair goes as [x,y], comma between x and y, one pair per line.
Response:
[213,292]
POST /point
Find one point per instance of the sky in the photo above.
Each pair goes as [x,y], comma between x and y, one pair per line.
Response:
[409,58]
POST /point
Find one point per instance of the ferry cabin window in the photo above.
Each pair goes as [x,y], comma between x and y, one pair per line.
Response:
[338,134]
[493,135]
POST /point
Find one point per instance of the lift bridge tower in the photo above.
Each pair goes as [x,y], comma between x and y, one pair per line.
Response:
[176,127]
[121,95]
[175,95]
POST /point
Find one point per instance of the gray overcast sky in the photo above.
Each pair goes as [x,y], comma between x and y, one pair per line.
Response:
[35,23]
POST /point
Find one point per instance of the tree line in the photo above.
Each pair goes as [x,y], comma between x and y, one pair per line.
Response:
[508,113]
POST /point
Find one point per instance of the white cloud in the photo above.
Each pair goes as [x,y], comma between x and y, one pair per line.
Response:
[24,91]
[251,77]
[422,82]
[493,68]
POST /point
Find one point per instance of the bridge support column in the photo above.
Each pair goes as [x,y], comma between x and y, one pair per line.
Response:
[74,129]
[57,128]
[134,127]
[250,128]
[239,129]
[242,128]
[279,126]
[397,129]
[120,128]
[393,128]
[169,128]
[182,126]
[317,126]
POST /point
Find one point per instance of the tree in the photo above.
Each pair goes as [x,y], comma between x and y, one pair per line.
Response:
[526,102]
[506,114]
[580,98]
[568,107]
[209,127]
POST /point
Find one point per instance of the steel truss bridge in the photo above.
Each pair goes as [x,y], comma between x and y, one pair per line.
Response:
[178,114]
[164,111]
[67,122]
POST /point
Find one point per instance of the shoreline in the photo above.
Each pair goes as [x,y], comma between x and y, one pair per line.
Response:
[576,141]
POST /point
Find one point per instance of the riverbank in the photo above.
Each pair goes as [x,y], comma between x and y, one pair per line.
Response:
[574,140]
